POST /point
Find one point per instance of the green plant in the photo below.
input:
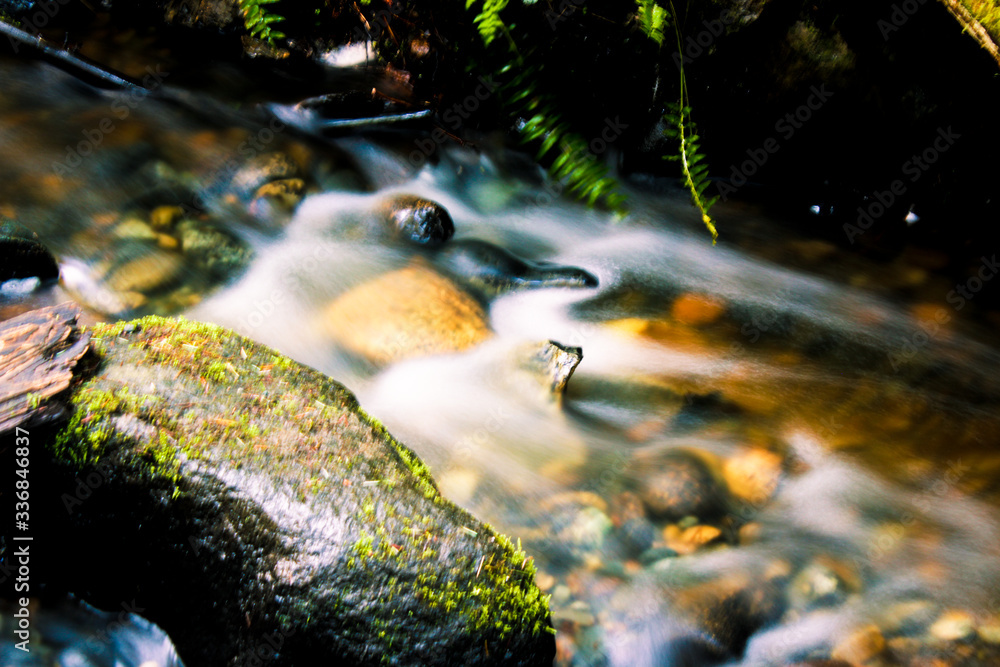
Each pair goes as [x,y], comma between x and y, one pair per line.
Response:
[694,170]
[585,175]
[571,162]
[258,19]
[488,21]
[652,19]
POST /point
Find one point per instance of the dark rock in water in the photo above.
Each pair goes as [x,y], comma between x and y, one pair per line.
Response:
[74,633]
[677,484]
[23,256]
[694,622]
[417,220]
[492,270]
[256,512]
[637,536]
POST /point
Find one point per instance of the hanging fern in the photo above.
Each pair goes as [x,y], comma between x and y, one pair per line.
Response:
[572,164]
[258,19]
[488,21]
[584,174]
[652,19]
[693,168]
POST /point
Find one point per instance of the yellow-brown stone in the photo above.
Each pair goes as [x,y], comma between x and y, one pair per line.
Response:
[406,313]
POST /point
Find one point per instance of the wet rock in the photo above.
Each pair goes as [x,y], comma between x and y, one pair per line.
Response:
[656,554]
[626,506]
[417,220]
[697,309]
[552,365]
[860,645]
[215,465]
[71,632]
[163,218]
[22,255]
[752,475]
[909,617]
[816,585]
[218,254]
[577,613]
[410,312]
[491,270]
[677,484]
[574,525]
[134,229]
[637,535]
[262,169]
[989,629]
[150,271]
[692,539]
[953,625]
[709,621]
[285,193]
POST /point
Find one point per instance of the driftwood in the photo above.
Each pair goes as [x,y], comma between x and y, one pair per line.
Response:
[38,351]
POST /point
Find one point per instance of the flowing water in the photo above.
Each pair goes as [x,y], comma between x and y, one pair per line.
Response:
[839,414]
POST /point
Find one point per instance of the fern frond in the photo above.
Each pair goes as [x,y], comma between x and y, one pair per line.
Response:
[653,19]
[488,21]
[258,19]
[694,170]
[680,128]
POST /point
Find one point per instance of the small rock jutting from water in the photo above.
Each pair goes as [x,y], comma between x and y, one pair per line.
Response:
[416,220]
[491,270]
[552,365]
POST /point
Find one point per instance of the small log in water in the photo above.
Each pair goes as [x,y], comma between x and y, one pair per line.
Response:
[38,351]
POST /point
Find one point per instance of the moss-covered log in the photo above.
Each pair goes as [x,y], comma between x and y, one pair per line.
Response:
[252,508]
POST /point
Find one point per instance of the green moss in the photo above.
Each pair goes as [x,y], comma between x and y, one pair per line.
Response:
[987,13]
[254,400]
[82,442]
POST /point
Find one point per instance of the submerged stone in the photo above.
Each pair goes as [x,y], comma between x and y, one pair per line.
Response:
[492,270]
[406,313]
[248,504]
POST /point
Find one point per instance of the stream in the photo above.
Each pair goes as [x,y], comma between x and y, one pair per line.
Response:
[774,450]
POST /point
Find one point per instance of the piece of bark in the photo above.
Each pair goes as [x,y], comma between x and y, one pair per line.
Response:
[38,351]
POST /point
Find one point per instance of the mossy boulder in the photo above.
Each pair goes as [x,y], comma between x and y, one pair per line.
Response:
[252,508]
